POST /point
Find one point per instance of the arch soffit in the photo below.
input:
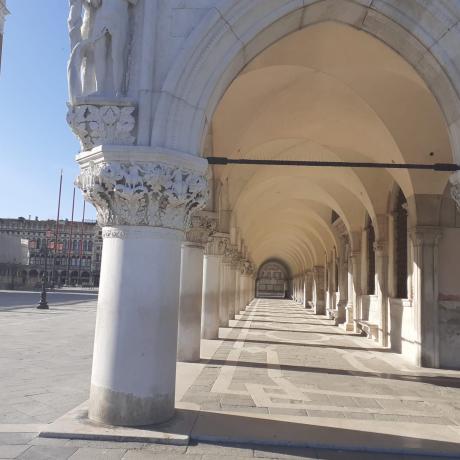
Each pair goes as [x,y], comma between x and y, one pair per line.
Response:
[420,33]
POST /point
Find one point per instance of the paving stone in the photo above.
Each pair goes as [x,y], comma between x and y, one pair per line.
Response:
[218,449]
[12,451]
[86,453]
[80,443]
[48,453]
[146,455]
[288,453]
[16,438]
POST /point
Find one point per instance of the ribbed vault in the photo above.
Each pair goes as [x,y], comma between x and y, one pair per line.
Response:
[327,92]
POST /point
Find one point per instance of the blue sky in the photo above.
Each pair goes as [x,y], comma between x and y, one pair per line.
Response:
[35,141]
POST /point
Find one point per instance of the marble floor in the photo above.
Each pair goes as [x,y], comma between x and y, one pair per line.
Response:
[279,383]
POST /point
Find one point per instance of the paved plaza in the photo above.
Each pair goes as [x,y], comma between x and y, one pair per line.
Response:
[278,373]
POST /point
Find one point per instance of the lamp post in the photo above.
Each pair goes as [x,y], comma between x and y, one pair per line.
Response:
[43,304]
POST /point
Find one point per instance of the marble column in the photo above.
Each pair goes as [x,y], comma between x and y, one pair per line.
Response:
[425,293]
[354,290]
[143,208]
[212,267]
[247,272]
[225,283]
[318,290]
[202,225]
[234,283]
[381,288]
[343,283]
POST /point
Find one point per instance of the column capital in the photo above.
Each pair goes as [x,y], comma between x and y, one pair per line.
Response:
[247,267]
[217,244]
[201,225]
[425,235]
[155,190]
[380,247]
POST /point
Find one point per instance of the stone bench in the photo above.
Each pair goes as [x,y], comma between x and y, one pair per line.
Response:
[370,329]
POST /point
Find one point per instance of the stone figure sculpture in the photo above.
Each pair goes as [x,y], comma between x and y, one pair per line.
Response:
[99,31]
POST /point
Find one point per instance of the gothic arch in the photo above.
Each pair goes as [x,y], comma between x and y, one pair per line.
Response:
[230,36]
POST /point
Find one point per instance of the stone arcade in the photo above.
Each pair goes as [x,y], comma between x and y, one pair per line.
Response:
[156,86]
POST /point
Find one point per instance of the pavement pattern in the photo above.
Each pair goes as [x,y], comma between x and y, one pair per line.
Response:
[276,361]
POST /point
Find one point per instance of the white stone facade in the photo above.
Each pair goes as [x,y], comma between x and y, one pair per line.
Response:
[3,13]
[331,80]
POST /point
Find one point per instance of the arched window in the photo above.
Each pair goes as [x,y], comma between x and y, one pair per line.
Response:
[400,232]
[39,241]
[370,258]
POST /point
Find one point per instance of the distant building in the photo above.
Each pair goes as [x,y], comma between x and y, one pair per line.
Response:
[72,251]
[3,13]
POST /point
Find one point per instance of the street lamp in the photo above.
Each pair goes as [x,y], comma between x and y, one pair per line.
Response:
[43,304]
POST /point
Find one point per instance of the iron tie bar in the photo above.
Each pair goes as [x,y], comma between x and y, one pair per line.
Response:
[442,167]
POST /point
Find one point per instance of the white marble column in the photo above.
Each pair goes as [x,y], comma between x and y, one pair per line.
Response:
[202,224]
[318,290]
[381,288]
[354,290]
[143,208]
[234,283]
[425,293]
[212,267]
[343,282]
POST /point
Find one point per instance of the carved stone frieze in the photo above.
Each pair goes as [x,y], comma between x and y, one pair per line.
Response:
[144,194]
[201,226]
[102,124]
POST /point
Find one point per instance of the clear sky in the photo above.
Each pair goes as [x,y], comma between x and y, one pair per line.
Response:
[35,140]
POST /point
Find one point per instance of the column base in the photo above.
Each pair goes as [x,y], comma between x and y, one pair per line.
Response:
[122,409]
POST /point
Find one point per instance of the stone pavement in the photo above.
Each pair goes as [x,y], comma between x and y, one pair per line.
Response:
[277,370]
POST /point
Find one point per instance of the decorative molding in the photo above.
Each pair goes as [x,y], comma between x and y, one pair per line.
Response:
[145,194]
[102,123]
[201,226]
[114,232]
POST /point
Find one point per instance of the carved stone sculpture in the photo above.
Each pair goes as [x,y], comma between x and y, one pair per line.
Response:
[151,194]
[247,267]
[102,125]
[99,31]
[201,226]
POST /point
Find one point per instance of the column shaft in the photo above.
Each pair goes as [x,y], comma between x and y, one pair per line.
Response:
[191,284]
[211,296]
[134,360]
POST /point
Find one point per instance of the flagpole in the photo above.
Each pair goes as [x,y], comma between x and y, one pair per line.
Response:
[53,275]
[81,240]
[69,249]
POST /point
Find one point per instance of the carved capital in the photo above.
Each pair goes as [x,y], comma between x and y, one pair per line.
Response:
[425,236]
[217,245]
[247,268]
[202,225]
[103,124]
[380,247]
[152,194]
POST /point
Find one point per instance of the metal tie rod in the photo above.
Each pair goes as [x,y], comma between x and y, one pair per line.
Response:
[334,164]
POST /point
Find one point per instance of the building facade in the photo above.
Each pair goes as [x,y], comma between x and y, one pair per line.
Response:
[344,81]
[3,13]
[70,253]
